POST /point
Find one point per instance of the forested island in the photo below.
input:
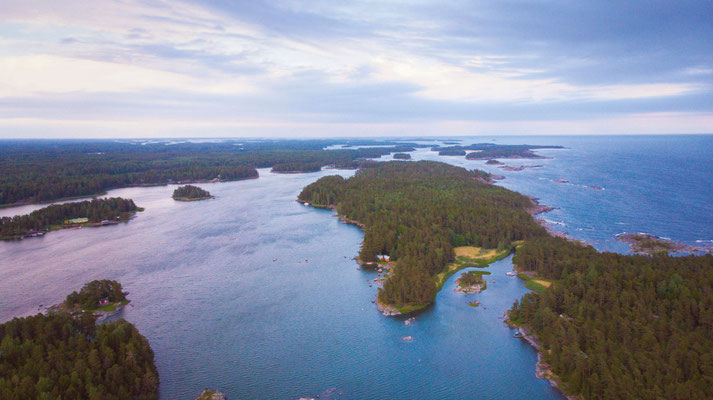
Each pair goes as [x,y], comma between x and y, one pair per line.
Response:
[190,193]
[417,213]
[59,216]
[34,171]
[68,356]
[490,151]
[402,156]
[621,326]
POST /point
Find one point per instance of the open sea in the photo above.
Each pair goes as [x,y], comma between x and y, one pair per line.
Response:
[258,296]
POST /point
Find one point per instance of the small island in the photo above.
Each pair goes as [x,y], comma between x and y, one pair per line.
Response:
[191,193]
[402,156]
[471,282]
[211,395]
[493,161]
[102,298]
[519,167]
[649,244]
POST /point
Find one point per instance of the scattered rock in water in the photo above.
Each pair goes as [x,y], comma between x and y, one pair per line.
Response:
[407,338]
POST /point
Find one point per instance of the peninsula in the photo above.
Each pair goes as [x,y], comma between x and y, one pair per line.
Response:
[97,212]
[419,213]
[66,354]
[191,193]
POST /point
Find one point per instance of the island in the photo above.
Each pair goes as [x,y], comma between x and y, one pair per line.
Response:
[519,168]
[471,282]
[101,298]
[211,395]
[451,152]
[68,355]
[493,161]
[418,213]
[191,193]
[97,212]
[297,167]
[650,244]
[402,156]
[489,151]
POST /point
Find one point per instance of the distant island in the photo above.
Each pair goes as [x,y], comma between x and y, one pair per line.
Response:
[493,161]
[402,156]
[191,193]
[96,212]
[489,151]
[297,167]
[68,355]
[451,152]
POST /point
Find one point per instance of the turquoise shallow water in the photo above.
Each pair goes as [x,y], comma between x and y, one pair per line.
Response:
[219,312]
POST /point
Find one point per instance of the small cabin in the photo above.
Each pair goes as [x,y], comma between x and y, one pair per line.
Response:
[383,257]
[104,301]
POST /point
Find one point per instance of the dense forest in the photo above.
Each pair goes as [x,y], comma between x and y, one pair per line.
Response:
[621,326]
[417,212]
[67,356]
[95,210]
[90,294]
[38,171]
[190,192]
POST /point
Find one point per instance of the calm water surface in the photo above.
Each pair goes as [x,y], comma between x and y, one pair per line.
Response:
[219,312]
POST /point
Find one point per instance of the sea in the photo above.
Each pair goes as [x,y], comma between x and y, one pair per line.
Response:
[258,296]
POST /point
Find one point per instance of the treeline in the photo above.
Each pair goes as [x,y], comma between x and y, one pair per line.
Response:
[621,326]
[402,156]
[90,294]
[297,167]
[190,192]
[36,171]
[95,210]
[417,212]
[59,356]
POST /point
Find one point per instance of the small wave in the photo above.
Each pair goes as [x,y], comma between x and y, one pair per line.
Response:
[560,223]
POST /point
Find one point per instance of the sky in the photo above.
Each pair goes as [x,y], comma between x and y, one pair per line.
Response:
[254,68]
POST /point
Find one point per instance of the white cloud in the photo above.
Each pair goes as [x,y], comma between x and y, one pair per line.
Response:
[41,74]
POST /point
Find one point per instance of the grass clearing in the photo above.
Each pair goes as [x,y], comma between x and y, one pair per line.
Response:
[536,284]
[467,257]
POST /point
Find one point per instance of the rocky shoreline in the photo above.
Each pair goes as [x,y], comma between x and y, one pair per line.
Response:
[542,369]
[649,244]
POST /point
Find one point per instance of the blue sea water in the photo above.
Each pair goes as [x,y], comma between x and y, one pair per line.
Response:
[257,295]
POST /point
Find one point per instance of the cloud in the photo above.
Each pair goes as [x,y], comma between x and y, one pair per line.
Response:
[326,63]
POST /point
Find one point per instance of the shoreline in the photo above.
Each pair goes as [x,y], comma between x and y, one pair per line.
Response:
[542,369]
[107,190]
[195,199]
[52,228]
[644,243]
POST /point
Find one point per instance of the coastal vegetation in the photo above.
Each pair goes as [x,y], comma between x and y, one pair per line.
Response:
[618,326]
[91,295]
[58,216]
[68,356]
[417,213]
[649,244]
[402,156]
[33,171]
[190,192]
